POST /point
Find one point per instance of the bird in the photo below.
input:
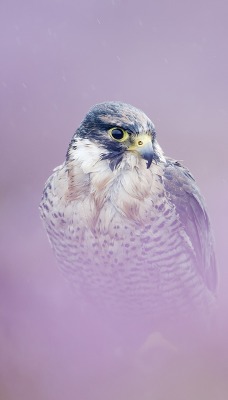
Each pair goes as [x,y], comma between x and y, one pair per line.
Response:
[129,226]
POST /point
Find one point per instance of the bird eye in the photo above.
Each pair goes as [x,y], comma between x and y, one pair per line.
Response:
[118,134]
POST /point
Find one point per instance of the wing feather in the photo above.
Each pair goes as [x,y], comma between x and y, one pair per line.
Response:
[184,194]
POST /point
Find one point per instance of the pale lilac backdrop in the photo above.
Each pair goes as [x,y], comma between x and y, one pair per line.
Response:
[58,58]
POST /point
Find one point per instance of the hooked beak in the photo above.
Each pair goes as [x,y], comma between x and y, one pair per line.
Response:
[143,145]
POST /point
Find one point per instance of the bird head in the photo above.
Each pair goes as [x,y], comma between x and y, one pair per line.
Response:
[117,129]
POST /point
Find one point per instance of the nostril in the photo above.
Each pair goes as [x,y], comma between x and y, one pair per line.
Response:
[140,142]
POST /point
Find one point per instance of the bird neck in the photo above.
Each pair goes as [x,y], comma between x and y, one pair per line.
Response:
[128,189]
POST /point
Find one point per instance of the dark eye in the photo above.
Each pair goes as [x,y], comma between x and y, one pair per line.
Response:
[118,134]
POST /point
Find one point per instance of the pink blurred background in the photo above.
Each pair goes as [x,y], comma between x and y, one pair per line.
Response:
[58,58]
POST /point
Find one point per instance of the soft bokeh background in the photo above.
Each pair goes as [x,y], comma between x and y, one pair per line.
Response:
[58,58]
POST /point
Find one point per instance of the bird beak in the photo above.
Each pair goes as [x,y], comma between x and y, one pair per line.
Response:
[143,145]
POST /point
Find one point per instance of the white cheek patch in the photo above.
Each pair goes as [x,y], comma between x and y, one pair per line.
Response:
[88,154]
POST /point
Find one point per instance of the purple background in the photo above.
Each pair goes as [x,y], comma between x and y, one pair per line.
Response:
[58,58]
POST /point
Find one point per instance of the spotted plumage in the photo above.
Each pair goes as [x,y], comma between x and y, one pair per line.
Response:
[127,224]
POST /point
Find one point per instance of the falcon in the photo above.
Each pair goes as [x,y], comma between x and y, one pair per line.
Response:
[128,225]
